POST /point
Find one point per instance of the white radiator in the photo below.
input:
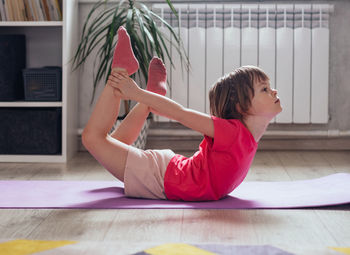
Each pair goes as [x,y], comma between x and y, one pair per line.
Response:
[289,41]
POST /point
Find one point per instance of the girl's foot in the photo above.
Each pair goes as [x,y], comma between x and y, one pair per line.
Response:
[123,56]
[156,77]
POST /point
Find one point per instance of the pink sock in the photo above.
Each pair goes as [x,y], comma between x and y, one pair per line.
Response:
[156,77]
[123,56]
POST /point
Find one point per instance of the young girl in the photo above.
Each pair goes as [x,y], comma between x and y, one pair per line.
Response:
[241,103]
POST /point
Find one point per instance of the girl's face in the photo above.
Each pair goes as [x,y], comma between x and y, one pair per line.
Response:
[265,102]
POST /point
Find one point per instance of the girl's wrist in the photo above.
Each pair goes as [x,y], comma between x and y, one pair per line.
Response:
[138,94]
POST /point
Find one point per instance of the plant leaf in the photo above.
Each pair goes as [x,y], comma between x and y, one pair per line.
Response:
[172,8]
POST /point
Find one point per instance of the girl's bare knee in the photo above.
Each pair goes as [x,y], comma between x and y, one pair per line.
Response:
[110,152]
[89,138]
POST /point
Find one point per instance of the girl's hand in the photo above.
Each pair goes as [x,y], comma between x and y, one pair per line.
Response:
[123,85]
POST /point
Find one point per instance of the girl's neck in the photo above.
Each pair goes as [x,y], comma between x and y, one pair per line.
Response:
[256,125]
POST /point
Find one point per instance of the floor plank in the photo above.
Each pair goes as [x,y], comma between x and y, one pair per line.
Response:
[337,223]
[218,226]
[301,165]
[267,166]
[75,225]
[146,226]
[300,227]
[339,161]
[20,224]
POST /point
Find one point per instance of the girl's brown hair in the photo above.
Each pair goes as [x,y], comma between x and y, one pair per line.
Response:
[230,97]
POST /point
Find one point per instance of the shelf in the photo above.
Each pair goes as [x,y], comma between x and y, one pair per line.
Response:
[30,104]
[33,158]
[31,23]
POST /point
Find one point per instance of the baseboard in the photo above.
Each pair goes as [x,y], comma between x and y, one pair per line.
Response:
[304,143]
[187,140]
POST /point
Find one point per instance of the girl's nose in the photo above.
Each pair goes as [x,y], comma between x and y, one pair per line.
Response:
[274,92]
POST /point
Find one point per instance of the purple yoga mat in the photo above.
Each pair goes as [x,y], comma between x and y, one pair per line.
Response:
[329,190]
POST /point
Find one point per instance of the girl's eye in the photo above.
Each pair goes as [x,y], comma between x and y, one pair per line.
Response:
[265,89]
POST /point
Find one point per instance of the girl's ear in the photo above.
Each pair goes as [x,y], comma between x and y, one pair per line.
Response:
[238,108]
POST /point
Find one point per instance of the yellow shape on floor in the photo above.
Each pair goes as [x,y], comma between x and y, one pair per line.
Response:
[345,250]
[177,249]
[25,247]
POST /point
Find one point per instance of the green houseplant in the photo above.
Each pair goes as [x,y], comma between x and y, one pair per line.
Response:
[100,34]
[100,30]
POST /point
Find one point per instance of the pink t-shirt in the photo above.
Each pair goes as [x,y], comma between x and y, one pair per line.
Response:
[220,165]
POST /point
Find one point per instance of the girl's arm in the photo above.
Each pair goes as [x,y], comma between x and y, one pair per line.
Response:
[128,89]
[192,119]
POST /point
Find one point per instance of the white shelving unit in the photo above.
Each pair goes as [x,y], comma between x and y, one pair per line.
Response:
[52,43]
[31,23]
[30,104]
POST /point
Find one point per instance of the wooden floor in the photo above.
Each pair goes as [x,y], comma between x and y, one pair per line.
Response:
[308,231]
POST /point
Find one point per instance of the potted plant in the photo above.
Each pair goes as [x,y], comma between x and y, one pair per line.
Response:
[100,33]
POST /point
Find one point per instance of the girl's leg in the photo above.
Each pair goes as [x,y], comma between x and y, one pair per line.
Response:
[129,129]
[111,153]
[131,126]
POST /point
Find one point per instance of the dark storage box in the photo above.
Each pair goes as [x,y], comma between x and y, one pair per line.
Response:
[12,61]
[30,130]
[42,84]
